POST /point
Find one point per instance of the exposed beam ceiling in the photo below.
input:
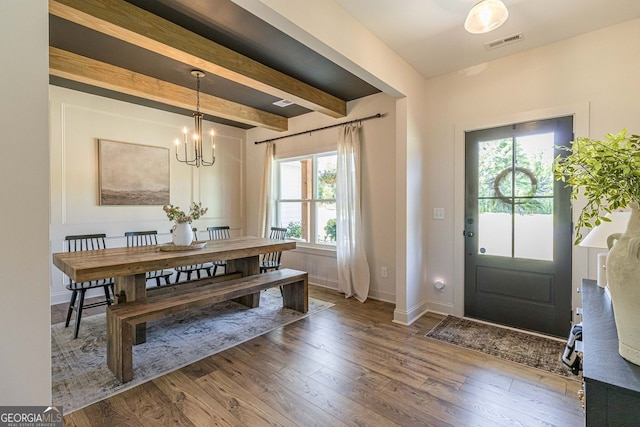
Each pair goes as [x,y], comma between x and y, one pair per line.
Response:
[136,26]
[89,71]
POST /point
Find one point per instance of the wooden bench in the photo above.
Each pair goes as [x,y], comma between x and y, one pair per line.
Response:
[122,318]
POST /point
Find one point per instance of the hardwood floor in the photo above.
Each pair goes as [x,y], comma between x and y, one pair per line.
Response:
[345,366]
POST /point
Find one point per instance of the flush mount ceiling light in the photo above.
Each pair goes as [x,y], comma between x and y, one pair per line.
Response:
[486,16]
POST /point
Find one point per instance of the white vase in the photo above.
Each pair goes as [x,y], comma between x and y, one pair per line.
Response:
[623,275]
[182,234]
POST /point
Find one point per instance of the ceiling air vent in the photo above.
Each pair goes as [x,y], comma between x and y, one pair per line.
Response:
[283,103]
[505,41]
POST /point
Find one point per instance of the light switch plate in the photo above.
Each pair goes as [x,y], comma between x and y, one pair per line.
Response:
[438,213]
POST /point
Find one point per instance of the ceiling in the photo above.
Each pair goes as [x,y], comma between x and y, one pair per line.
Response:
[125,34]
[142,51]
[429,34]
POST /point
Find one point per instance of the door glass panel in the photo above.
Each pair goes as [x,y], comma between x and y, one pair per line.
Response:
[533,225]
[533,237]
[494,230]
[515,197]
[494,157]
[494,184]
[534,160]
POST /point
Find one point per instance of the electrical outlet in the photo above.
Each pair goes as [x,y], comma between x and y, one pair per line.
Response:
[384,272]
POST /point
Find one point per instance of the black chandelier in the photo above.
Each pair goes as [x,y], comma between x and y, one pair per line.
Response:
[194,146]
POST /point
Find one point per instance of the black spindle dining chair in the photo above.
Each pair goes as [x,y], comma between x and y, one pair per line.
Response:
[271,261]
[219,233]
[145,238]
[195,268]
[86,242]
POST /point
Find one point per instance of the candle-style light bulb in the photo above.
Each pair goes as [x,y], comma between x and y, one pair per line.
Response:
[213,143]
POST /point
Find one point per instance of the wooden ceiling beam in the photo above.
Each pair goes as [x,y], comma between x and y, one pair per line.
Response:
[81,69]
[131,24]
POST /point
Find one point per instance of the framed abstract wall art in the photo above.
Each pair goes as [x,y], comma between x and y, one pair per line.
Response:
[132,174]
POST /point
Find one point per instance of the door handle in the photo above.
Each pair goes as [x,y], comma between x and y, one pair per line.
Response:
[470,233]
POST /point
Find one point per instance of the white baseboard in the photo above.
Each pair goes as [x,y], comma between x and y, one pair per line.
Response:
[439,307]
[60,298]
[407,318]
[323,282]
[333,285]
[382,296]
[64,296]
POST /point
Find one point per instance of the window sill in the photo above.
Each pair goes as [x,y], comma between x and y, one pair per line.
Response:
[315,250]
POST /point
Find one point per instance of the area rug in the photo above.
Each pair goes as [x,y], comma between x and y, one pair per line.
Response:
[80,375]
[527,349]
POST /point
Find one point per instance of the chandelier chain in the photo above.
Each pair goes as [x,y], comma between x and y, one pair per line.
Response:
[197,94]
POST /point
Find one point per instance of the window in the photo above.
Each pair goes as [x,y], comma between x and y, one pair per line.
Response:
[306,198]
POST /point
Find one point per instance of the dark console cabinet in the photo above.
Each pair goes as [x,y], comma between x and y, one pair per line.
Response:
[612,385]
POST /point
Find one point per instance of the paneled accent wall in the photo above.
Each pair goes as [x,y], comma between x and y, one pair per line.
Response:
[78,120]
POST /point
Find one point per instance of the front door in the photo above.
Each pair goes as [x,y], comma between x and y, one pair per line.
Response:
[518,227]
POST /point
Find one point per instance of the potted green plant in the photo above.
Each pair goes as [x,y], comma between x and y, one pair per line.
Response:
[607,174]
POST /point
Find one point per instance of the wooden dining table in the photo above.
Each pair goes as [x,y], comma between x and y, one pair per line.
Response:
[129,265]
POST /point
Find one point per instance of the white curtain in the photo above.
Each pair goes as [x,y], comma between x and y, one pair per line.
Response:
[353,268]
[266,192]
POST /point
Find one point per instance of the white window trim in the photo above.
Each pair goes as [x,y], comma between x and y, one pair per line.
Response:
[305,247]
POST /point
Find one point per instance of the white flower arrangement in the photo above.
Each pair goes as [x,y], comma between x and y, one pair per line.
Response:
[174,213]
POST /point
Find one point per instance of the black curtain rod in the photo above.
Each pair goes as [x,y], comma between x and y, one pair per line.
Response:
[376,116]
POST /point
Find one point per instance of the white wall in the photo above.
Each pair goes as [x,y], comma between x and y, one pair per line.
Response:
[78,120]
[378,188]
[327,28]
[25,359]
[593,76]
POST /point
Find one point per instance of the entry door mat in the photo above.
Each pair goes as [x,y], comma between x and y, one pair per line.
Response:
[80,375]
[508,344]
